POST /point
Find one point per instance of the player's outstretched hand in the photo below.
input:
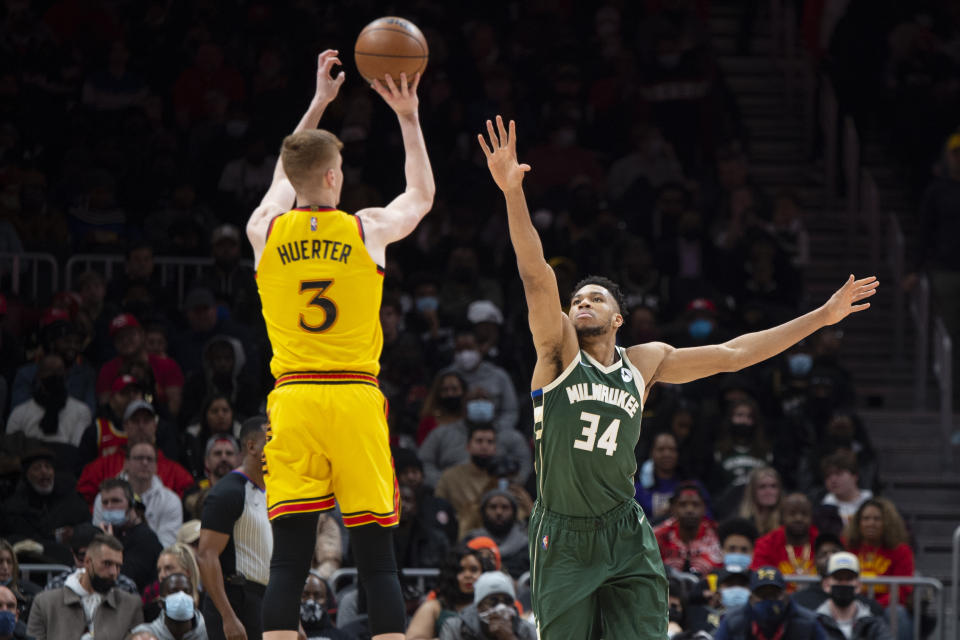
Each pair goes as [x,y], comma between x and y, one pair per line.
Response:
[849,298]
[327,87]
[403,99]
[502,155]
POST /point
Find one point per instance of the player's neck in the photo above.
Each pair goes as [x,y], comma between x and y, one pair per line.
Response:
[603,349]
[317,198]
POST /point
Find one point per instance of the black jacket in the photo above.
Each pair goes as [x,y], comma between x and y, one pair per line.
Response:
[29,515]
[141,548]
[800,623]
[866,626]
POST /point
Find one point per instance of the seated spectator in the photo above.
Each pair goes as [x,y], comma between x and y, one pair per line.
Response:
[314,611]
[455,591]
[840,476]
[164,513]
[22,590]
[89,602]
[189,534]
[11,626]
[123,513]
[844,431]
[737,539]
[128,340]
[141,416]
[445,446]
[499,514]
[761,499]
[677,609]
[688,539]
[434,512]
[416,544]
[464,484]
[216,418]
[107,436]
[231,282]
[43,507]
[813,595]
[328,551]
[222,375]
[658,478]
[220,457]
[770,613]
[477,372]
[443,405]
[489,551]
[843,616]
[742,446]
[178,558]
[179,618]
[789,547]
[492,616]
[83,535]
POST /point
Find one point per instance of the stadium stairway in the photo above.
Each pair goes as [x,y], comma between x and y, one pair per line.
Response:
[909,443]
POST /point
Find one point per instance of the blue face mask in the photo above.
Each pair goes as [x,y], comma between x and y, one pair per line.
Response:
[769,613]
[480,411]
[427,303]
[700,329]
[7,623]
[800,364]
[733,597]
[179,606]
[739,560]
[115,517]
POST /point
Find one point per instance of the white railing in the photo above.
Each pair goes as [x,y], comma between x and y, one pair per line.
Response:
[919,305]
[341,578]
[20,264]
[49,570]
[943,370]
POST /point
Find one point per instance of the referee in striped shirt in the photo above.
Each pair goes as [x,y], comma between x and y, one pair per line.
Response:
[236,543]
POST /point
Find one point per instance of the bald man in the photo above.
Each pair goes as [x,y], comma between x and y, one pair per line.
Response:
[789,547]
[10,625]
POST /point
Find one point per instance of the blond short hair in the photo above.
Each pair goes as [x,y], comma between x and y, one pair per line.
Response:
[308,154]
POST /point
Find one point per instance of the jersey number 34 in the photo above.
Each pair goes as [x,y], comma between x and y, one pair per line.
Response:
[608,439]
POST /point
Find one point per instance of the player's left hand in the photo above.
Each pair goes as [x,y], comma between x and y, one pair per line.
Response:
[849,298]
[403,98]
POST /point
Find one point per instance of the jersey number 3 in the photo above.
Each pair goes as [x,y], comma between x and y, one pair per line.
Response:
[608,439]
[329,306]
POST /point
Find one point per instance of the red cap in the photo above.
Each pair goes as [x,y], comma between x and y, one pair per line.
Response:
[122,382]
[54,314]
[702,304]
[123,321]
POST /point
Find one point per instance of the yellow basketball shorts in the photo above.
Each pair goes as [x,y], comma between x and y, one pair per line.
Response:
[328,441]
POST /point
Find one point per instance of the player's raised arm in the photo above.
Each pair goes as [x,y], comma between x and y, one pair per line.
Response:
[281,197]
[660,362]
[546,317]
[398,219]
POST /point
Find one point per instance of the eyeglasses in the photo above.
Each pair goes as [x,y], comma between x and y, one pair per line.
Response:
[143,458]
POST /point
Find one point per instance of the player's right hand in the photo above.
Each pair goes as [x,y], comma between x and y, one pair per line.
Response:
[233,629]
[502,155]
[327,87]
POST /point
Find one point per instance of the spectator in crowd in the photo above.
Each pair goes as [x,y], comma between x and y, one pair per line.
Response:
[742,446]
[314,611]
[761,499]
[22,590]
[732,592]
[737,538]
[444,405]
[107,435]
[141,419]
[123,512]
[83,535]
[221,456]
[416,543]
[477,372]
[203,323]
[770,613]
[813,595]
[164,512]
[129,341]
[402,369]
[89,602]
[840,476]
[178,558]
[11,627]
[435,512]
[179,618]
[789,547]
[844,431]
[328,552]
[688,539]
[236,542]
[658,478]
[217,419]
[464,484]
[222,375]
[455,590]
[492,615]
[878,537]
[231,282]
[489,551]
[787,227]
[843,616]
[43,508]
[499,514]
[140,272]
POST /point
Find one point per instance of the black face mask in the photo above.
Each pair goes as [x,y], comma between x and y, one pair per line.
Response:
[842,595]
[481,461]
[450,404]
[463,275]
[101,584]
[742,430]
[50,393]
[676,614]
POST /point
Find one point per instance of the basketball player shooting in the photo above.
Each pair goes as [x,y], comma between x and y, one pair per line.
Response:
[320,276]
[595,568]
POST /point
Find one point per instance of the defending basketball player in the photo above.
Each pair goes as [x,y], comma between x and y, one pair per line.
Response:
[320,276]
[595,568]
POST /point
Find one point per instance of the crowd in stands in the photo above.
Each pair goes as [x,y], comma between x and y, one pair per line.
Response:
[132,413]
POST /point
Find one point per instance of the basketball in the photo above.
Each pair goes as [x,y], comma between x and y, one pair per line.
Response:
[389,46]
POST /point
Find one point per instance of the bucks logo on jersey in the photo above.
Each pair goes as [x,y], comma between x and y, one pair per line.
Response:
[586,424]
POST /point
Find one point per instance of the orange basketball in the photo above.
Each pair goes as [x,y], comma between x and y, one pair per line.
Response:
[389,46]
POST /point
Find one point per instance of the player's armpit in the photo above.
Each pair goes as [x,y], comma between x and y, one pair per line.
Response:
[397,220]
[659,362]
[259,224]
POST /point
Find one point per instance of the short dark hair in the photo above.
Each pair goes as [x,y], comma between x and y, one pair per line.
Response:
[473,427]
[610,286]
[827,538]
[105,540]
[165,583]
[737,527]
[250,428]
[119,483]
[840,460]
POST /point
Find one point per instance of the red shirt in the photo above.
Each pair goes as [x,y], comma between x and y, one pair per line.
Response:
[701,555]
[110,440]
[166,372]
[171,474]
[772,550]
[879,561]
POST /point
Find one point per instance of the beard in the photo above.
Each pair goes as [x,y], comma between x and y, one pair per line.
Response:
[498,530]
[592,332]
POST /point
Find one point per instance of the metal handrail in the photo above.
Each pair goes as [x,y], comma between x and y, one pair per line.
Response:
[27,569]
[420,574]
[21,262]
[896,250]
[943,370]
[920,312]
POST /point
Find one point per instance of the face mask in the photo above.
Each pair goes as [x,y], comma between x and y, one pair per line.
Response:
[6,583]
[742,430]
[427,304]
[7,623]
[115,517]
[481,461]
[800,364]
[842,595]
[451,404]
[467,360]
[700,329]
[51,391]
[101,584]
[739,560]
[501,610]
[179,606]
[733,597]
[769,614]
[310,611]
[676,615]
[480,411]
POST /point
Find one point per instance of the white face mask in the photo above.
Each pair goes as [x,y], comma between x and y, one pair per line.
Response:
[499,610]
[467,360]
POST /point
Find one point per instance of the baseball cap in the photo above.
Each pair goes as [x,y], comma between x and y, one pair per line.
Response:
[490,583]
[702,304]
[225,232]
[484,311]
[732,570]
[765,576]
[122,382]
[52,315]
[199,297]
[843,561]
[123,321]
[138,405]
[486,542]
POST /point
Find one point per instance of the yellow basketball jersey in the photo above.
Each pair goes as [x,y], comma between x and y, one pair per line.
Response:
[321,294]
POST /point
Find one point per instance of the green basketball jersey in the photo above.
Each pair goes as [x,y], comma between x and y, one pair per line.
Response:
[586,425]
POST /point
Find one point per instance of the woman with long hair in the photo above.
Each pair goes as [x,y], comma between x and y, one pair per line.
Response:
[10,578]
[444,403]
[454,592]
[177,558]
[761,499]
[217,417]
[742,446]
